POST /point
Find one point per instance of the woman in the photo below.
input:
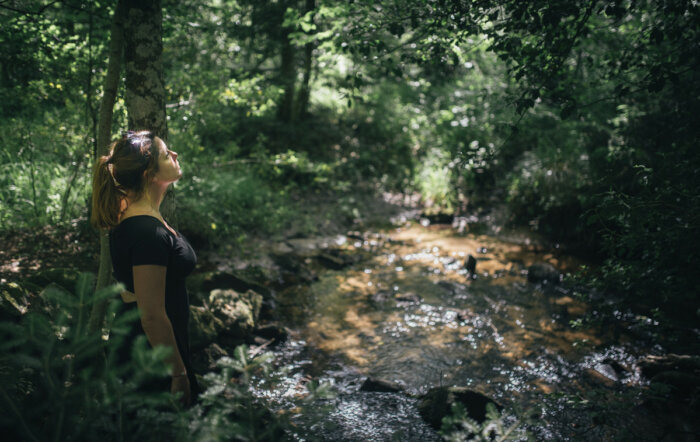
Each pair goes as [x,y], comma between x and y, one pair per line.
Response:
[148,256]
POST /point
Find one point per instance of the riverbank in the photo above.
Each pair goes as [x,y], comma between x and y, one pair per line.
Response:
[388,295]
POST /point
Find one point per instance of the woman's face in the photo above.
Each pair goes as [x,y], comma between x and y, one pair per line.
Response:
[168,166]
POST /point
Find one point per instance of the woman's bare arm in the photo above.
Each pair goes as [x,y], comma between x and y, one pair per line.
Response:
[149,288]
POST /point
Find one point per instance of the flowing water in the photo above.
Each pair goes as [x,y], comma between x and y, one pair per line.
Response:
[408,312]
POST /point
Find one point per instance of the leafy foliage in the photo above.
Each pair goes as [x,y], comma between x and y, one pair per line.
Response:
[59,382]
[230,202]
[62,383]
[459,427]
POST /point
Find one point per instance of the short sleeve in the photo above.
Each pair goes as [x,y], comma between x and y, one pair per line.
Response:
[152,247]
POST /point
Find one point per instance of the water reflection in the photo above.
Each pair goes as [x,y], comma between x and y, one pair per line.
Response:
[410,315]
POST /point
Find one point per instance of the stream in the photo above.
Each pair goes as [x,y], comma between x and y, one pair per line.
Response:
[407,311]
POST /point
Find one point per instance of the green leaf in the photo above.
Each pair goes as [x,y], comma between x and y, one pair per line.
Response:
[84,285]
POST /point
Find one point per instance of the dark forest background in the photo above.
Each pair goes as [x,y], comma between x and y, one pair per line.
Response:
[575,118]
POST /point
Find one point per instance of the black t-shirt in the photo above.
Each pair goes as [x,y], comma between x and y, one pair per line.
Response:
[144,240]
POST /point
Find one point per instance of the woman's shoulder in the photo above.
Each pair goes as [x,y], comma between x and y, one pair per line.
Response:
[141,226]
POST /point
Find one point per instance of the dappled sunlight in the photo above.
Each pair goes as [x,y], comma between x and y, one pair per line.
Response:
[411,311]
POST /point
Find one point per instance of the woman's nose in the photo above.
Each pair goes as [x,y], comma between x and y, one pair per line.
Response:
[174,154]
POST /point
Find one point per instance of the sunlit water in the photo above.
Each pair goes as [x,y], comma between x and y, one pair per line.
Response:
[408,313]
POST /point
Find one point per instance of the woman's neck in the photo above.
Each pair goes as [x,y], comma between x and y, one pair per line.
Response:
[149,202]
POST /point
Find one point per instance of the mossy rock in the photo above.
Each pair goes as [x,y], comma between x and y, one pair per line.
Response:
[239,312]
[204,327]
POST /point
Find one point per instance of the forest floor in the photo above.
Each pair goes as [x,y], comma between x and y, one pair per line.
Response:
[26,252]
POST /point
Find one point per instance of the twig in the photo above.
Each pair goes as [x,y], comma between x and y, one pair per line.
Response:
[253,353]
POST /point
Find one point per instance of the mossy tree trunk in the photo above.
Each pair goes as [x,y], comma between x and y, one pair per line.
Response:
[288,73]
[104,131]
[145,92]
[302,101]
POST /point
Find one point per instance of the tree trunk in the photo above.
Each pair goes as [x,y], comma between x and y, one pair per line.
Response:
[104,132]
[288,76]
[145,90]
[145,93]
[302,101]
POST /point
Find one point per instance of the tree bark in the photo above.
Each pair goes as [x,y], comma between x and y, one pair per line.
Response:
[302,101]
[104,131]
[145,92]
[288,76]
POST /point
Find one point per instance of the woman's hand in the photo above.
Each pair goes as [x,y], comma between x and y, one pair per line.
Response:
[128,297]
[181,384]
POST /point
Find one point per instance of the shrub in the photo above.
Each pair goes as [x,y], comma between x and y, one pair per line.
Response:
[59,382]
[229,202]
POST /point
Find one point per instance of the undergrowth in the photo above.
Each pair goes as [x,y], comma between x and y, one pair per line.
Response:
[59,382]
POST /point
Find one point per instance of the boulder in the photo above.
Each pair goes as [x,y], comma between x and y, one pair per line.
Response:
[238,312]
[543,272]
[380,386]
[437,403]
[204,327]
[229,314]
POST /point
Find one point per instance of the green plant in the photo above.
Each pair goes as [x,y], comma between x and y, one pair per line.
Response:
[44,175]
[230,202]
[60,382]
[459,427]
